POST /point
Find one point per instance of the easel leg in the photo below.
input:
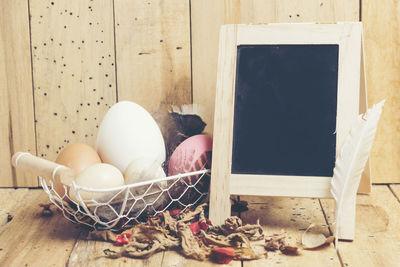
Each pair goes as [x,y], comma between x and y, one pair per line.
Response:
[220,203]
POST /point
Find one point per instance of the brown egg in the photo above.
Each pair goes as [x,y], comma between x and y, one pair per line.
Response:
[78,157]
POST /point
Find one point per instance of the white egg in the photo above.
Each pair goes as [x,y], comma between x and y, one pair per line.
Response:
[98,176]
[127,133]
[142,170]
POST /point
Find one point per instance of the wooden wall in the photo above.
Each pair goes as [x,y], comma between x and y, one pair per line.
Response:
[63,66]
[382,50]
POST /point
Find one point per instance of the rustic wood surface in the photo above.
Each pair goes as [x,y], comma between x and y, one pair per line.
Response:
[382,43]
[153,52]
[376,241]
[73,70]
[17,130]
[30,239]
[292,215]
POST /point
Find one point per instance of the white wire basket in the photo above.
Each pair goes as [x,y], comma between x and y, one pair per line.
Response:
[123,207]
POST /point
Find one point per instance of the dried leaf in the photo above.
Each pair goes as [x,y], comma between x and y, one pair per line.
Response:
[143,251]
[189,244]
[280,242]
[311,240]
[275,241]
[289,250]
[170,223]
[112,254]
[164,232]
[213,240]
[246,254]
[192,214]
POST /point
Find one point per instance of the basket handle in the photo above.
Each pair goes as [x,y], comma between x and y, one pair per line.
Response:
[42,167]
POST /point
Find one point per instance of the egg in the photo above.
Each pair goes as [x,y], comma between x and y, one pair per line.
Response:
[127,133]
[188,153]
[193,154]
[77,157]
[143,169]
[98,176]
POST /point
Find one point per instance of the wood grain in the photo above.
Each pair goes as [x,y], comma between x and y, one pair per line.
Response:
[32,239]
[5,160]
[172,258]
[377,230]
[382,43]
[222,143]
[90,253]
[395,188]
[206,22]
[73,70]
[153,52]
[11,199]
[17,130]
[293,215]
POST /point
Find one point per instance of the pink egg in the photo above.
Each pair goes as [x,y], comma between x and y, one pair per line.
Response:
[188,153]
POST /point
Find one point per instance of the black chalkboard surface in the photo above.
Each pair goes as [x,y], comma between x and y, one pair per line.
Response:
[285,110]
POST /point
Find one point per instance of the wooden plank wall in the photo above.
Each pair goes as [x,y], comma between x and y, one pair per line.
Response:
[153,52]
[73,70]
[67,63]
[17,130]
[382,50]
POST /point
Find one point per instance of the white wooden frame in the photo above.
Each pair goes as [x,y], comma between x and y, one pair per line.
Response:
[224,183]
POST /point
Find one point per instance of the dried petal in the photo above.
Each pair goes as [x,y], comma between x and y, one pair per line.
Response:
[223,255]
[203,225]
[195,227]
[174,212]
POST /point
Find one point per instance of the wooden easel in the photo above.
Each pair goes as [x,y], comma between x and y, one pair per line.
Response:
[223,182]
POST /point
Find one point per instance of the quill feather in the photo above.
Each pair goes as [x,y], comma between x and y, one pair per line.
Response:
[352,160]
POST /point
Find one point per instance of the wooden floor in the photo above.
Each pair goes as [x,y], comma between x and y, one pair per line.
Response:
[32,240]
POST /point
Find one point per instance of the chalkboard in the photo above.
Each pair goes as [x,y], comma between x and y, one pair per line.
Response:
[285,110]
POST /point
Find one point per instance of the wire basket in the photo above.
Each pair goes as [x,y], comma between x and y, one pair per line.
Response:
[123,207]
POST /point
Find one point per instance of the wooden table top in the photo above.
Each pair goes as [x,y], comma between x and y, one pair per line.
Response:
[30,239]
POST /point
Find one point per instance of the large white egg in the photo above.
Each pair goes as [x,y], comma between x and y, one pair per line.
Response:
[98,176]
[127,133]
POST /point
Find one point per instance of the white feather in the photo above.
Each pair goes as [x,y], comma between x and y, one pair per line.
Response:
[352,160]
